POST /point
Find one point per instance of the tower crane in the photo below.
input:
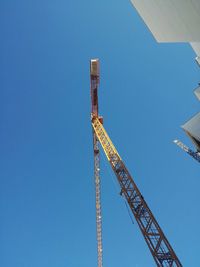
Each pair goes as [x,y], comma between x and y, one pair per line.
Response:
[193,154]
[94,83]
[159,246]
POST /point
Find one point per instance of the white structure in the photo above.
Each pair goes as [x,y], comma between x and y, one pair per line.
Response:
[197,92]
[172,20]
[176,21]
[192,129]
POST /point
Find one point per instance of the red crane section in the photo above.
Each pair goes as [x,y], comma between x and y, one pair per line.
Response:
[94,83]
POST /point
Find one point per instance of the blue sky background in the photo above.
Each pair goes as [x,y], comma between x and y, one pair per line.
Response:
[47,204]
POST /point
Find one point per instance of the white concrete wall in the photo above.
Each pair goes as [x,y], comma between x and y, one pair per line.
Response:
[172,20]
[196,47]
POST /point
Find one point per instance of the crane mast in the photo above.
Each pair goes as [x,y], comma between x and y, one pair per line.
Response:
[157,242]
[94,83]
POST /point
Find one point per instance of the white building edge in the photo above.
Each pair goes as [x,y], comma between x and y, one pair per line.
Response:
[175,21]
[172,20]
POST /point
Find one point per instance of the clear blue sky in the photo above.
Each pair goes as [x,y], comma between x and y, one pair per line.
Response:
[47,203]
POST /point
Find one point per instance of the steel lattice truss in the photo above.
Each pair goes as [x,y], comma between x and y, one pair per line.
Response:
[157,242]
[97,197]
[195,155]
